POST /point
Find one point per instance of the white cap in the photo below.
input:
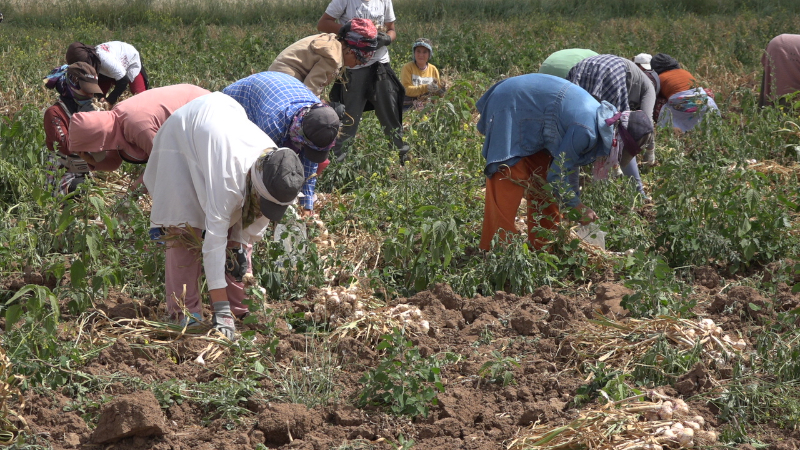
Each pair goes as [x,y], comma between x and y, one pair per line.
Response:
[643,59]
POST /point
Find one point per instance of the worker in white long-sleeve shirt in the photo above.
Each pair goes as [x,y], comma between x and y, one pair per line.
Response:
[216,180]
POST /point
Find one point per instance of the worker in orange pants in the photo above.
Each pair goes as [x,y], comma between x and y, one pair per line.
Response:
[539,130]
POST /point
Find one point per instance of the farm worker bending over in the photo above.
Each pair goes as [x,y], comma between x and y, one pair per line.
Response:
[106,138]
[317,60]
[116,62]
[419,77]
[642,61]
[781,63]
[293,117]
[559,63]
[76,85]
[213,173]
[541,127]
[372,84]
[619,82]
[685,101]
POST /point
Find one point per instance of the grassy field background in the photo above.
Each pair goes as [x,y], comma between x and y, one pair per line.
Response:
[726,196]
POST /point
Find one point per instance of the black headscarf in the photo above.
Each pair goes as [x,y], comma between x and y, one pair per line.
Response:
[78,52]
[662,62]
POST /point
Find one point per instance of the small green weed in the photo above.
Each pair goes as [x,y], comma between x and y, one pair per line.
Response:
[499,369]
[663,363]
[610,384]
[404,381]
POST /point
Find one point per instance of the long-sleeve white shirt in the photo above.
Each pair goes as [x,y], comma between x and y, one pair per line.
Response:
[197,175]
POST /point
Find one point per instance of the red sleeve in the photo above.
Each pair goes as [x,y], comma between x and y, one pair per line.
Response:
[56,129]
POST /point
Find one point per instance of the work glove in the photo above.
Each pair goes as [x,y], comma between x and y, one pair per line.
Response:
[236,263]
[433,88]
[339,108]
[384,40]
[223,319]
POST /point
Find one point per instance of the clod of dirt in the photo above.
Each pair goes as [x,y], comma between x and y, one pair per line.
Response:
[562,309]
[119,353]
[449,299]
[136,414]
[282,423]
[524,323]
[608,299]
[352,349]
[695,381]
[130,310]
[544,295]
[540,411]
[348,416]
[71,440]
[706,276]
[786,299]
[743,299]
[475,307]
[463,405]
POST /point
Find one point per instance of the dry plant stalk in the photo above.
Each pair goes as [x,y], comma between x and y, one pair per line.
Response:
[9,391]
[628,424]
[102,329]
[621,343]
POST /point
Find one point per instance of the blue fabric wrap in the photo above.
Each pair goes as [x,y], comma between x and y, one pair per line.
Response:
[523,115]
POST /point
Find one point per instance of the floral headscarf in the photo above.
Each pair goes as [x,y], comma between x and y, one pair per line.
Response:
[296,134]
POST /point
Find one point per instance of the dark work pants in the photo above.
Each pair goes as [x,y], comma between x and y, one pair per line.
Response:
[374,84]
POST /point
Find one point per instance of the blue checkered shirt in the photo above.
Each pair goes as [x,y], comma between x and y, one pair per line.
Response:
[271,100]
[605,77]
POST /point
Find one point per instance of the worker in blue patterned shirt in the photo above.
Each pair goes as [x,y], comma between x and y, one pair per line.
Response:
[292,116]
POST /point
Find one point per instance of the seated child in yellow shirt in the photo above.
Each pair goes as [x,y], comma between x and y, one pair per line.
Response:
[420,78]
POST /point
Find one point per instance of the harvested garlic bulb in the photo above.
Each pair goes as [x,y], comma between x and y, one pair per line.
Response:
[665,413]
[681,408]
[699,419]
[425,326]
[707,324]
[686,437]
[693,425]
[706,437]
[670,434]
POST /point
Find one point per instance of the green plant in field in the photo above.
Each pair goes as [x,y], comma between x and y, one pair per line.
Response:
[658,292]
[287,275]
[403,443]
[404,381]
[499,369]
[424,252]
[610,384]
[663,363]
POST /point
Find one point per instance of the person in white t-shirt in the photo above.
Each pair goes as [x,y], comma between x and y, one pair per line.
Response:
[217,181]
[116,62]
[372,84]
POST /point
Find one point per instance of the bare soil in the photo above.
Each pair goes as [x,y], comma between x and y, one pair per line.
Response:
[537,329]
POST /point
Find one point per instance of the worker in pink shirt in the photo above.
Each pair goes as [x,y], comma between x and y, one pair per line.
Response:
[106,138]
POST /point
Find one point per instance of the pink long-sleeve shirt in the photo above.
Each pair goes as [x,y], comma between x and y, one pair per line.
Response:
[130,127]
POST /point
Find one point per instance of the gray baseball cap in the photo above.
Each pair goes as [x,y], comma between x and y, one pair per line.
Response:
[282,174]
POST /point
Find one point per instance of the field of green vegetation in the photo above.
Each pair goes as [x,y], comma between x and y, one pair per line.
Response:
[724,220]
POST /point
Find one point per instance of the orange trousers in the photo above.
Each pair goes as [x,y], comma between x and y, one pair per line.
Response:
[504,192]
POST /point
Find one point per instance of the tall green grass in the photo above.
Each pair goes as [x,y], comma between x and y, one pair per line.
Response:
[238,12]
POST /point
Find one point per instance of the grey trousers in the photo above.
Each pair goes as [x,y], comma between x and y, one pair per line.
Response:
[376,85]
